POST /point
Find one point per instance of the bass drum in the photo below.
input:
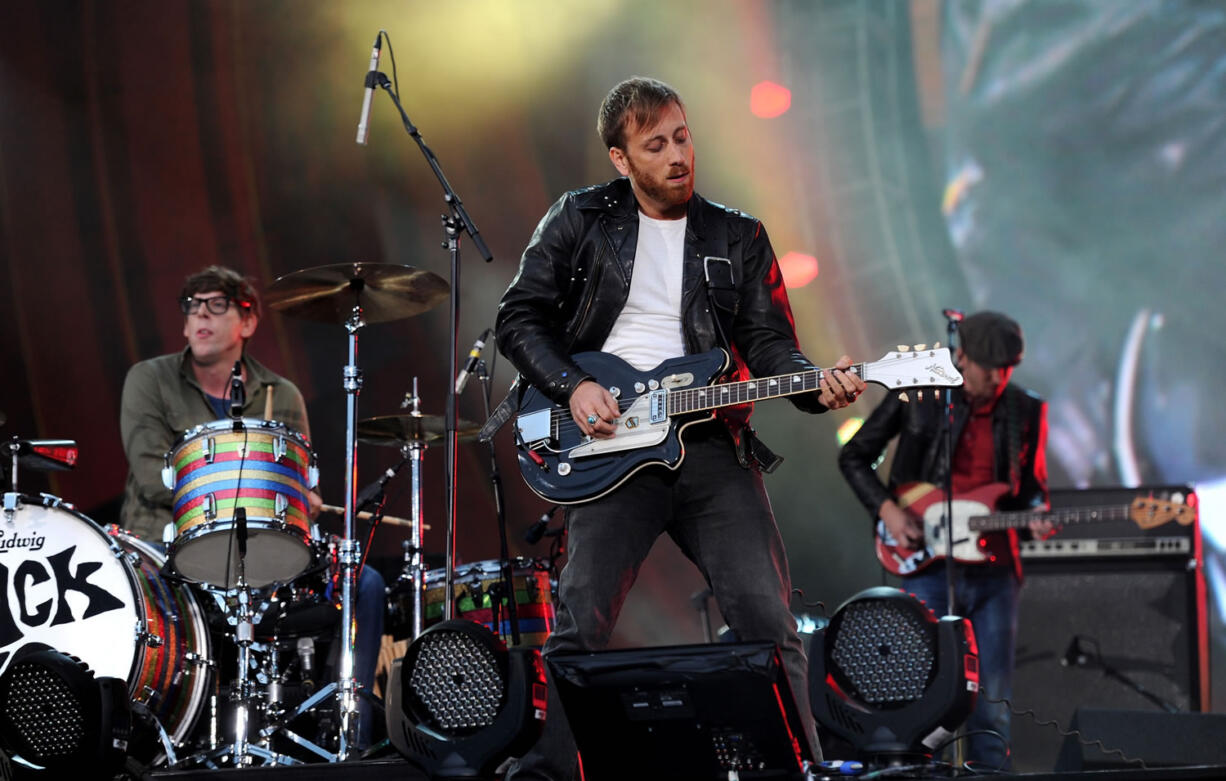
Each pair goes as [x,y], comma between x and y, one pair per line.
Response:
[98,595]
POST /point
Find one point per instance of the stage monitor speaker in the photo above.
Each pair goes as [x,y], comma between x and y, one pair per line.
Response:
[1104,633]
[680,712]
[1157,738]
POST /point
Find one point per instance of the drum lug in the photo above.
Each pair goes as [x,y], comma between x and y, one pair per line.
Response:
[148,638]
[210,506]
[198,660]
[133,558]
[278,449]
[11,501]
[168,474]
[312,477]
[280,505]
[210,449]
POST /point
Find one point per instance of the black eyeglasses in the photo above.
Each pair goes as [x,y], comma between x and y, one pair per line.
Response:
[217,305]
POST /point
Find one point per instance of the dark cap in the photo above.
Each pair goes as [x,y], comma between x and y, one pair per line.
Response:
[992,340]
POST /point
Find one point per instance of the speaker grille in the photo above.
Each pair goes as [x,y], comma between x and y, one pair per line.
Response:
[1139,615]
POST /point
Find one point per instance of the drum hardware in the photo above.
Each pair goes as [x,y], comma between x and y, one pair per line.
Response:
[353,294]
[44,455]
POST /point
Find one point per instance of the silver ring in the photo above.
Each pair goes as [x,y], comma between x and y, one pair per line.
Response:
[591,420]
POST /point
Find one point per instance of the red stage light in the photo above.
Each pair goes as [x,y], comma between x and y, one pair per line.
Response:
[768,99]
[798,269]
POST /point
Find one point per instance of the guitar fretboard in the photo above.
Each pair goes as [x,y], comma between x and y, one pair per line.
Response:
[1065,517]
[714,396]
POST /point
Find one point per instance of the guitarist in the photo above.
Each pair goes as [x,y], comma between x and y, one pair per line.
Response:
[644,268]
[1000,435]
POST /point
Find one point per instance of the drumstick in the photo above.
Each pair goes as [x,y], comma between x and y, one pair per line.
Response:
[393,520]
[268,401]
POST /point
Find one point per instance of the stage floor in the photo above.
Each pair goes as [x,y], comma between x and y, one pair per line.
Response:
[401,770]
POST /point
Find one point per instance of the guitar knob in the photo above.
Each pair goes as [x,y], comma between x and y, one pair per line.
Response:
[564,469]
[615,392]
[653,384]
[639,387]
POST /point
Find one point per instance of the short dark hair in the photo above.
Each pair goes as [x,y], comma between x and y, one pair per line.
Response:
[237,287]
[638,98]
[992,340]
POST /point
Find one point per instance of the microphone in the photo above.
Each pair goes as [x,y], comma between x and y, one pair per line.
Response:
[375,489]
[953,315]
[371,77]
[474,355]
[238,392]
[537,530]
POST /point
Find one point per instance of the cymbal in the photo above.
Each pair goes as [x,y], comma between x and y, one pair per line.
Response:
[397,430]
[385,291]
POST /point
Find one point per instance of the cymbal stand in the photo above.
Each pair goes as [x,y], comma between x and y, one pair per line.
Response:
[345,688]
[414,560]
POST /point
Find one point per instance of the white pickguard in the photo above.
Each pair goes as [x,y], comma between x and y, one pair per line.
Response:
[634,430]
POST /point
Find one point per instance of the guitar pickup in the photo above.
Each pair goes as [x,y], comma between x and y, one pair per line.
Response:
[534,426]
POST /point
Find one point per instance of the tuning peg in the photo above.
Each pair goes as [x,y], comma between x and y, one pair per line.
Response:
[920,347]
[936,345]
[902,348]
[920,394]
[903,397]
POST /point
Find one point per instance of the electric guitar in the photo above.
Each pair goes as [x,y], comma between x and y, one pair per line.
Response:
[563,466]
[972,515]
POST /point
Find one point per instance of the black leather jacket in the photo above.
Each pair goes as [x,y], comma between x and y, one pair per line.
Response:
[1019,432]
[574,278]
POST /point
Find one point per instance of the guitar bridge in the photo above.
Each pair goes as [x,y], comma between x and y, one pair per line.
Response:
[658,406]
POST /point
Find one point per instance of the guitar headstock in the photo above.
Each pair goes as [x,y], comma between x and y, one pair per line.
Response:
[1149,513]
[915,368]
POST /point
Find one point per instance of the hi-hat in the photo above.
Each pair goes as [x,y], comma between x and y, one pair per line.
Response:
[328,294]
[398,430]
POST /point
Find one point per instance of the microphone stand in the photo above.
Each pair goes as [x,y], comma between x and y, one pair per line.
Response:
[951,328]
[453,225]
[947,519]
[508,583]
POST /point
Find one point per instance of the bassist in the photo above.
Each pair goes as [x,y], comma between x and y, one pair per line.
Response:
[644,268]
[1000,435]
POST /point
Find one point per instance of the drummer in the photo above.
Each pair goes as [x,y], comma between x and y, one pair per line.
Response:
[165,396]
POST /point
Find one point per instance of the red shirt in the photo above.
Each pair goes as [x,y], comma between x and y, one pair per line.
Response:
[974,466]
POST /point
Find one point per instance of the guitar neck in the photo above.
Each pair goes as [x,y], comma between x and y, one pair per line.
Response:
[709,397]
[1065,517]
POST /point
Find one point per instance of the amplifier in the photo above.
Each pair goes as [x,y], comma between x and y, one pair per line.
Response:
[1122,538]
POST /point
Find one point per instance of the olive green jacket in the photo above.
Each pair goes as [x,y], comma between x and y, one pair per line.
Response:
[161,401]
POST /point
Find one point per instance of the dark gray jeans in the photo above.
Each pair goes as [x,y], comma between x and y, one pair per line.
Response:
[719,515]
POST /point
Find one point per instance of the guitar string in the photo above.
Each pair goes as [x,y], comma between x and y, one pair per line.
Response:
[561,419]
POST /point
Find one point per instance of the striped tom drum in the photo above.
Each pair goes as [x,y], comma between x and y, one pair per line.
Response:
[478,597]
[224,470]
[99,595]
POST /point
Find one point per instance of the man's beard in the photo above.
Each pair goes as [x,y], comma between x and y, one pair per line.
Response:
[660,191]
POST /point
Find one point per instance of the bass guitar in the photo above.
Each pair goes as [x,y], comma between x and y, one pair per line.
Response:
[564,466]
[973,515]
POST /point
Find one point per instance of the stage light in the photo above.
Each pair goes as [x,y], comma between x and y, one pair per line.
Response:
[459,702]
[769,100]
[55,715]
[889,677]
[798,269]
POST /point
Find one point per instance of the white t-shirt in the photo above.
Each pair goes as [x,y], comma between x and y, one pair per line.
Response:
[648,330]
